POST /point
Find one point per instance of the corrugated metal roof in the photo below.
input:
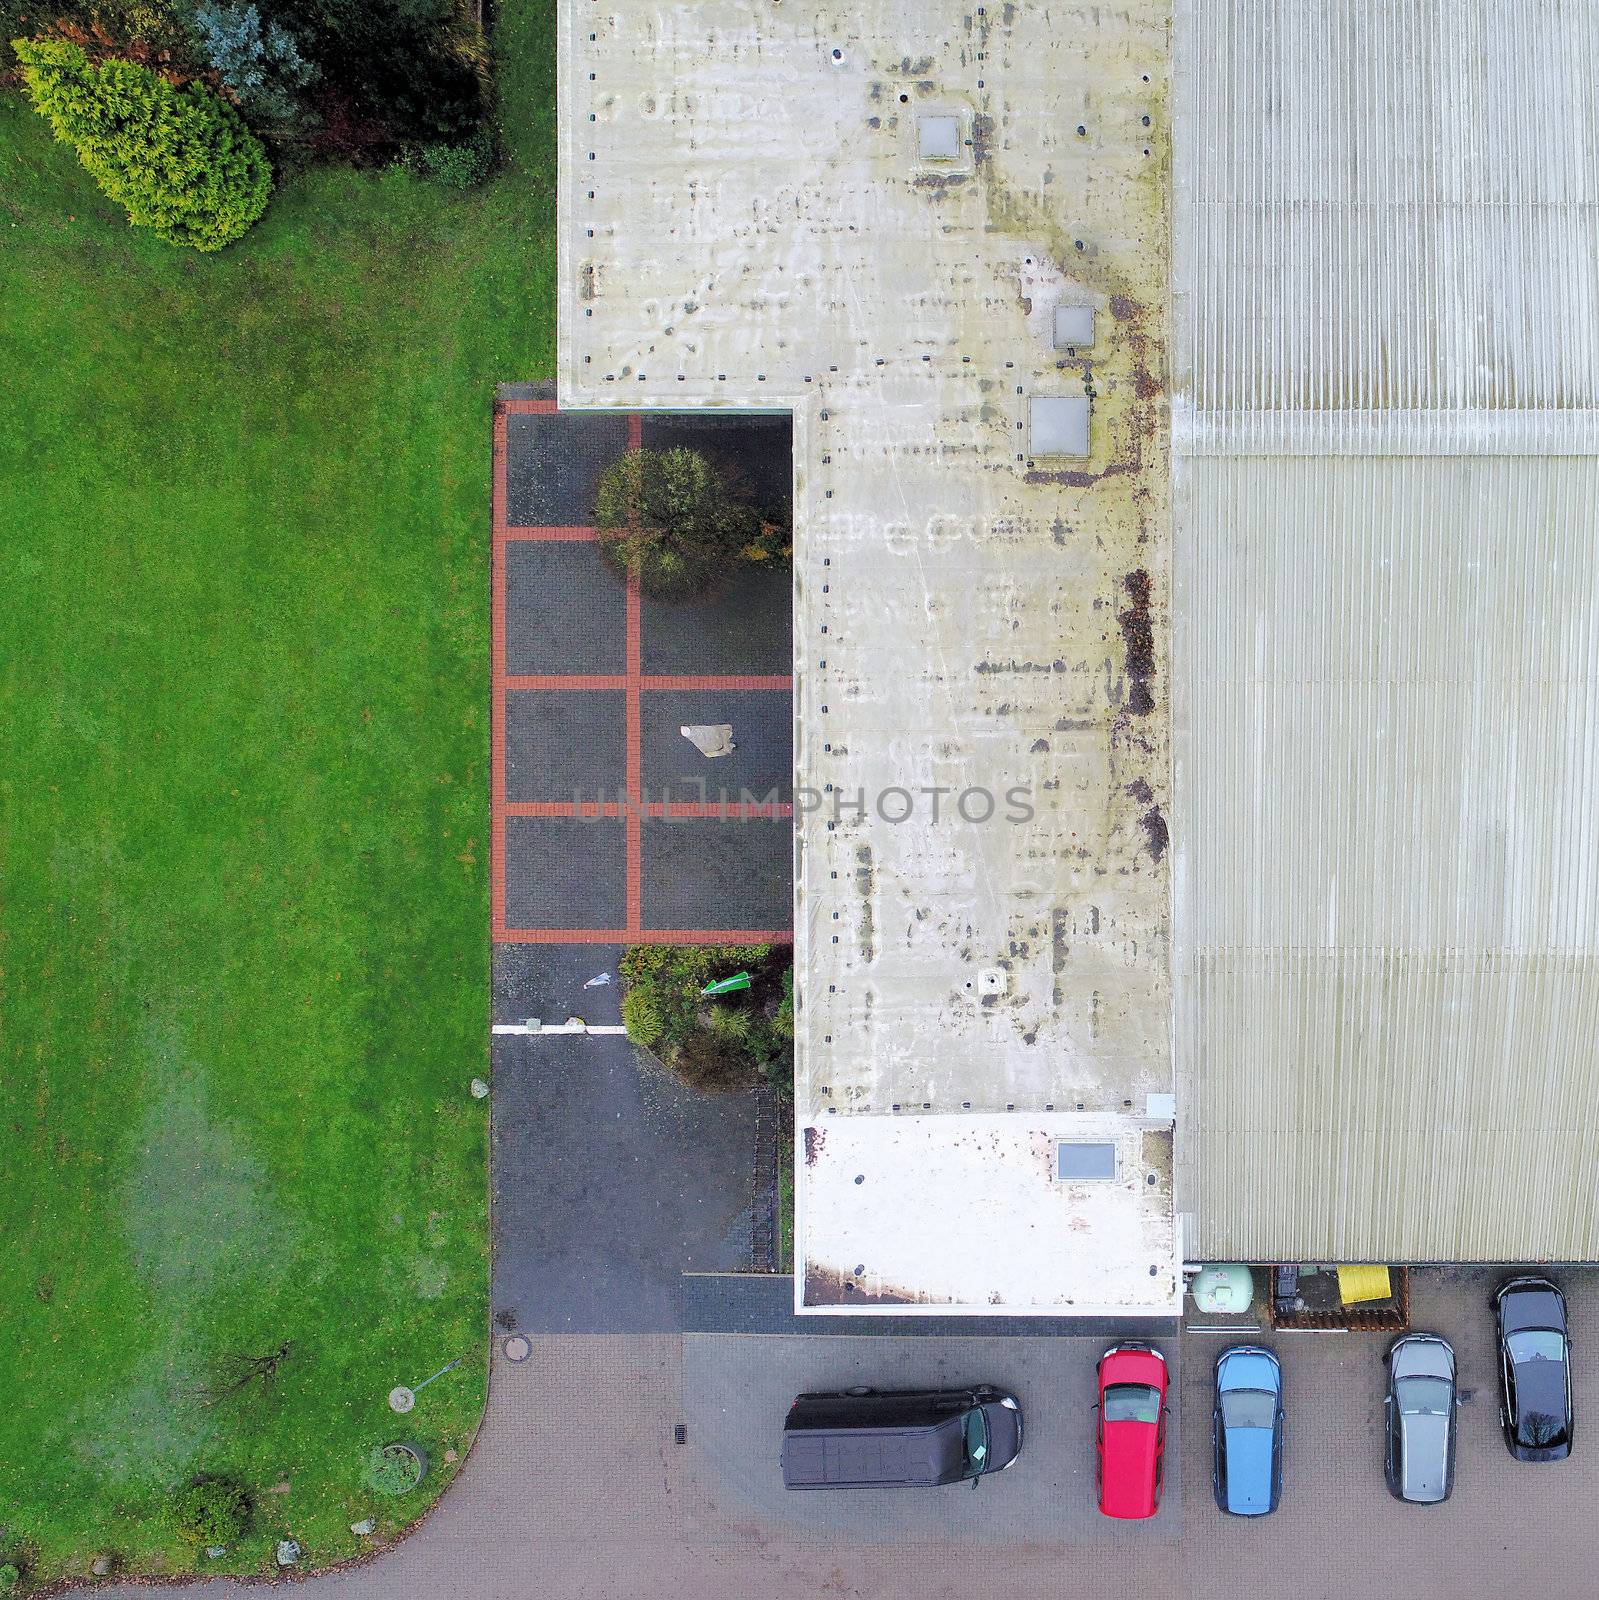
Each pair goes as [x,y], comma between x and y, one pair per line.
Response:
[1386,648]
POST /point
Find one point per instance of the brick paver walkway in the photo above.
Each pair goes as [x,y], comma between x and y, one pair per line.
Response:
[599,834]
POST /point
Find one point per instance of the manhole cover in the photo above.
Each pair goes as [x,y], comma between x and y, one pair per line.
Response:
[517,1348]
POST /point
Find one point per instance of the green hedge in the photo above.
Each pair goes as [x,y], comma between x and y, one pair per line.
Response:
[179,161]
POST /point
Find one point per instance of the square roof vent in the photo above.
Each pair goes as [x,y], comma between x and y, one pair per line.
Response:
[1077,1160]
[1059,425]
[1074,327]
[939,138]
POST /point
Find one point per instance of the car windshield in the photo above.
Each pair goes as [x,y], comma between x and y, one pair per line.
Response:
[1248,1408]
[976,1442]
[1536,1344]
[1425,1397]
[1132,1402]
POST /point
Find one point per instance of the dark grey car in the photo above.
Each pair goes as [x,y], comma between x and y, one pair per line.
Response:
[1420,1419]
[899,1439]
[1534,1369]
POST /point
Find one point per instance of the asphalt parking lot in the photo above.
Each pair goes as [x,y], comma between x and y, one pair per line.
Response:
[1509,1527]
[737,1390]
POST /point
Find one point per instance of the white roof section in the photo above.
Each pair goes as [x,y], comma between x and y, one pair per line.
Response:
[1019,1234]
[1386,628]
[755,212]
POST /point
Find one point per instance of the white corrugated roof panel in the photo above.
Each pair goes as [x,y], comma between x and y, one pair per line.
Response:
[1386,648]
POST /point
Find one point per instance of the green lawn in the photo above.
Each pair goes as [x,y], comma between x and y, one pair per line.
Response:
[244,534]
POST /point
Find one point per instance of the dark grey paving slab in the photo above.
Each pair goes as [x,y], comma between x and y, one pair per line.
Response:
[552,463]
[756,451]
[537,389]
[565,872]
[610,1177]
[737,1391]
[706,873]
[565,610]
[551,982]
[761,763]
[565,743]
[747,626]
[745,1302]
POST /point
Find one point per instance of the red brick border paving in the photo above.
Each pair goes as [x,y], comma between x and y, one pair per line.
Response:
[634,683]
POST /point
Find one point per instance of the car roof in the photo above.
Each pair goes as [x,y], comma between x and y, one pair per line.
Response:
[1249,1469]
[842,1456]
[1426,1463]
[1127,1472]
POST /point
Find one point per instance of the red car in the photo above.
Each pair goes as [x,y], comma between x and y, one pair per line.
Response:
[1132,1429]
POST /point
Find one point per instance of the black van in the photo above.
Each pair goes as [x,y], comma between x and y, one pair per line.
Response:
[871,1439]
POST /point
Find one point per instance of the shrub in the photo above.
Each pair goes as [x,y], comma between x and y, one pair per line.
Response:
[712,1062]
[455,166]
[213,1511]
[179,161]
[728,1042]
[418,68]
[10,1577]
[394,1469]
[261,64]
[641,1016]
[669,519]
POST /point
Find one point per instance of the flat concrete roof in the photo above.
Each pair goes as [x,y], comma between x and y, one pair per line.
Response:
[755,212]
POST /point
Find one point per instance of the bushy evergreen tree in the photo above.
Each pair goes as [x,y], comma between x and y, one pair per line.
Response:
[179,160]
[259,61]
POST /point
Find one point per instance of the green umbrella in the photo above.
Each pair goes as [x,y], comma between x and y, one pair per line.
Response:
[739,980]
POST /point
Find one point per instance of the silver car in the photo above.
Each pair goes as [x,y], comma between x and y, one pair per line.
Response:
[1420,1416]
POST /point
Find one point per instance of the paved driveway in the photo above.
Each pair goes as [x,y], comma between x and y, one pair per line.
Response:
[610,1178]
[578,1488]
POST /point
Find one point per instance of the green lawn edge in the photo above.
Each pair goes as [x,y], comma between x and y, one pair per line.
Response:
[244,957]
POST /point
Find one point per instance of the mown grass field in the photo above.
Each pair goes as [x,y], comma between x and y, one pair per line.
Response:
[244,514]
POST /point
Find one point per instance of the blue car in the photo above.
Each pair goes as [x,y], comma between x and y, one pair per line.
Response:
[1248,1472]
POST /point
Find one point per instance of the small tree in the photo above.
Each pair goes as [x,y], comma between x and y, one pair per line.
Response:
[259,62]
[213,1511]
[670,520]
[180,161]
